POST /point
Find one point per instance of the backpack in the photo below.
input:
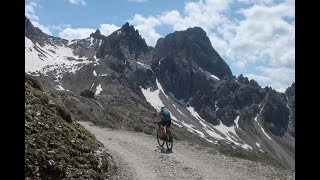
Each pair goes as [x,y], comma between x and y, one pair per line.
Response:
[165,115]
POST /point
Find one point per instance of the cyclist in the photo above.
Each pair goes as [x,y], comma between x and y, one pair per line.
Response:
[165,120]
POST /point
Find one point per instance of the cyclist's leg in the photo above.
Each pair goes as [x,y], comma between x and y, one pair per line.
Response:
[162,128]
[168,125]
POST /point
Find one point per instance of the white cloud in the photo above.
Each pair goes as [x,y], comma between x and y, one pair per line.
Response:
[107,29]
[60,27]
[277,78]
[265,37]
[30,11]
[146,27]
[67,32]
[241,64]
[77,2]
[206,14]
[76,33]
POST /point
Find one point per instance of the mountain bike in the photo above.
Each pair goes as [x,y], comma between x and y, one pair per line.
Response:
[168,139]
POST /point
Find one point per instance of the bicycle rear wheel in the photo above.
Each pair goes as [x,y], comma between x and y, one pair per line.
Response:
[169,140]
[160,142]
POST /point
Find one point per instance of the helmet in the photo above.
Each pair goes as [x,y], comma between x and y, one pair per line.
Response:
[162,107]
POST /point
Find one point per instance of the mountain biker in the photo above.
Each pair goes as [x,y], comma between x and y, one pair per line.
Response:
[165,120]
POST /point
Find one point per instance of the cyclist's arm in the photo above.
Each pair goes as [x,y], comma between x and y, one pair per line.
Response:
[158,117]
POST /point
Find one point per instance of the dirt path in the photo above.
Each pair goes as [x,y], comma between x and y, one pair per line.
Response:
[139,157]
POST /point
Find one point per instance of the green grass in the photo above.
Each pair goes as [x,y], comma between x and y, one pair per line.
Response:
[35,83]
[252,156]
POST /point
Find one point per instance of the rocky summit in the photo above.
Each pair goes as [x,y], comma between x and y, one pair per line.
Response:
[120,82]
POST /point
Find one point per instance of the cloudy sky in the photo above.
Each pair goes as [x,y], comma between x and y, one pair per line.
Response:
[255,37]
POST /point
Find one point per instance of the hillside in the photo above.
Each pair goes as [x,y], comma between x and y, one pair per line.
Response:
[56,146]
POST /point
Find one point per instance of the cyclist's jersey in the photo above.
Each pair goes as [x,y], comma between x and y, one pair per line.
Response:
[165,115]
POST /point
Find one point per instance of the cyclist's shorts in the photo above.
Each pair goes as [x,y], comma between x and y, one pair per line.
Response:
[166,123]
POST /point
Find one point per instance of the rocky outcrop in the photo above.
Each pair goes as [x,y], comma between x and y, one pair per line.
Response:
[57,147]
[192,47]
[87,94]
[290,94]
[274,113]
[122,43]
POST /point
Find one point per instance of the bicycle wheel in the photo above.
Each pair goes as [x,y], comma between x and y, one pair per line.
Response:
[160,142]
[169,140]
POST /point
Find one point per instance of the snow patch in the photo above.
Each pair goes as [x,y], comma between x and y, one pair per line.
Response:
[215,77]
[119,32]
[236,121]
[60,88]
[97,59]
[194,113]
[98,89]
[91,41]
[91,86]
[160,88]
[94,73]
[215,105]
[51,57]
[100,42]
[181,112]
[262,128]
[152,97]
[71,42]
[140,63]
[174,122]
[258,144]
[210,131]
[211,75]
[227,131]
[246,146]
[193,130]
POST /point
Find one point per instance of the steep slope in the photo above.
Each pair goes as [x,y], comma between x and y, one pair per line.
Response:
[57,147]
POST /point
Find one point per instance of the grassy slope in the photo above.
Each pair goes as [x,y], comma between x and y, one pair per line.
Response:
[57,147]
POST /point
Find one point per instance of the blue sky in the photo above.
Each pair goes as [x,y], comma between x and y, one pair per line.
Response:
[255,37]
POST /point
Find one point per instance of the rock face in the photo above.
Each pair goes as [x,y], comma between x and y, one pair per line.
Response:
[37,36]
[87,94]
[290,94]
[192,46]
[57,147]
[275,113]
[129,80]
[122,43]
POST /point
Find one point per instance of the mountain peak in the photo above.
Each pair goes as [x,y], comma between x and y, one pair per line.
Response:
[125,26]
[193,46]
[97,34]
[197,30]
[127,38]
[130,30]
